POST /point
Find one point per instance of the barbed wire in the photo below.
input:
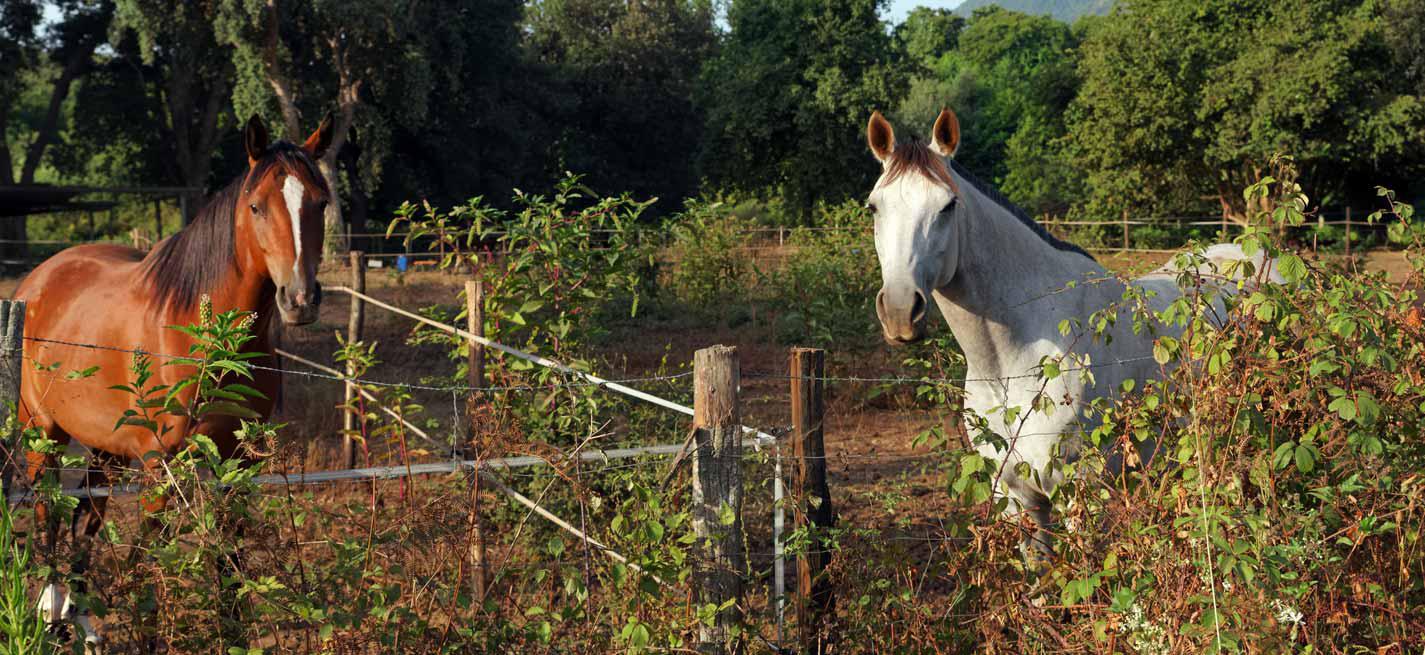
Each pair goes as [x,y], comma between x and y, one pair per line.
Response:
[370,382]
[930,380]
[573,384]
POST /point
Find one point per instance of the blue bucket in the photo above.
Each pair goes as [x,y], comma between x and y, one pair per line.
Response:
[402,263]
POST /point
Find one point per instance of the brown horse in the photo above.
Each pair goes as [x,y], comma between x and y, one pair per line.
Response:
[254,247]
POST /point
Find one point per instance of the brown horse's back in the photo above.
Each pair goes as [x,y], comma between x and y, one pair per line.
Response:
[93,295]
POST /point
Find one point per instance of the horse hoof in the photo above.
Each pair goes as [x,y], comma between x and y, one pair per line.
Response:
[93,643]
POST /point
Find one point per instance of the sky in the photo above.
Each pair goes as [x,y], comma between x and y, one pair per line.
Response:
[898,9]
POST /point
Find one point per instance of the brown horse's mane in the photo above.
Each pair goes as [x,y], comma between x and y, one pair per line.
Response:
[195,260]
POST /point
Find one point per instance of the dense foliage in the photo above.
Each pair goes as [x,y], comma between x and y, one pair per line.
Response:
[1156,107]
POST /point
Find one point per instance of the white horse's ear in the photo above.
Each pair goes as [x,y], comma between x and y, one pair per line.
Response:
[880,137]
[945,136]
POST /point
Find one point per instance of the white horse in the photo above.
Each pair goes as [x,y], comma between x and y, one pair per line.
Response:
[1004,285]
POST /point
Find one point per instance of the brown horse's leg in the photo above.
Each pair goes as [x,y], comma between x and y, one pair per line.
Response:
[88,520]
[53,603]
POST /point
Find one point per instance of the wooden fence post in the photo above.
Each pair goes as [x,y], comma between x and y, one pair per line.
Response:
[353,334]
[12,331]
[157,220]
[815,598]
[475,324]
[719,560]
[1125,230]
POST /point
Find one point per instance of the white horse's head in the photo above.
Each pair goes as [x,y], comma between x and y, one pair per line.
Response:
[915,237]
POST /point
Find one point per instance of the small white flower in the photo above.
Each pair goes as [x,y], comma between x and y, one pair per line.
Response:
[1286,614]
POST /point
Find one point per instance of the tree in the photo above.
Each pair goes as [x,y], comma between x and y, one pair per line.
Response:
[928,34]
[1010,78]
[1404,23]
[489,126]
[68,51]
[326,55]
[189,82]
[1182,102]
[788,96]
[626,70]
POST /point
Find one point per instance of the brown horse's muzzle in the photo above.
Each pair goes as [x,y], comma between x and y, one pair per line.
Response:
[299,304]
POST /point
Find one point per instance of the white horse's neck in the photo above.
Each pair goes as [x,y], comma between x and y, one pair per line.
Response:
[1008,292]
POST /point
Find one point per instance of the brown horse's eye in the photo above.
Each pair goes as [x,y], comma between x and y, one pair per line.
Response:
[254,209]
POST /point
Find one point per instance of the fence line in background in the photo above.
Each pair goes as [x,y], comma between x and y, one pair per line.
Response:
[762,438]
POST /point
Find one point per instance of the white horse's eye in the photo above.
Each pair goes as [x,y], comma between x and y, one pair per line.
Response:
[870,207]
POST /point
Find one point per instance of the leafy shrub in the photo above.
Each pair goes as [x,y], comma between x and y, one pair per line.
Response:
[709,266]
[818,288]
[826,288]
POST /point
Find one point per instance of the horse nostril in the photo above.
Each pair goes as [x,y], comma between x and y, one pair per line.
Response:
[917,311]
[881,304]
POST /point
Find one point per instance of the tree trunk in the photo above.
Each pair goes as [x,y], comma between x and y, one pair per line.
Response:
[350,157]
[193,126]
[281,87]
[335,246]
[348,96]
[7,170]
[75,65]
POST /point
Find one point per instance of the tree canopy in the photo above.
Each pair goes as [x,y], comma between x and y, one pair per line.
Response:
[1159,107]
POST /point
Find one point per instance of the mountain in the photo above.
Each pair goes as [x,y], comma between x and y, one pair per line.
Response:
[1064,10]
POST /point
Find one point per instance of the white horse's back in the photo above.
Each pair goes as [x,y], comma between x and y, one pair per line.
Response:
[1218,265]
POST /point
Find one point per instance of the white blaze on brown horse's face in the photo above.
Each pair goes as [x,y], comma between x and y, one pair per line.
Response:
[283,207]
[915,236]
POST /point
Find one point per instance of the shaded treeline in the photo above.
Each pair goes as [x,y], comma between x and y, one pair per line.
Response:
[1158,108]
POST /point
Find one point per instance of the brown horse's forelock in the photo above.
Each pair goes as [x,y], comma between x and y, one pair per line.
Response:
[195,260]
[917,157]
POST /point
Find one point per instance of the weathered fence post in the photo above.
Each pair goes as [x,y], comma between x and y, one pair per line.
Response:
[353,334]
[717,498]
[815,599]
[12,332]
[157,220]
[475,324]
[1125,230]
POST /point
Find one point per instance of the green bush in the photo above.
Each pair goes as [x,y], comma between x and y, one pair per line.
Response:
[709,268]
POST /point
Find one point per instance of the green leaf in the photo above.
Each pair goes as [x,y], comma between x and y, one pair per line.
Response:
[1305,461]
[1291,267]
[1345,407]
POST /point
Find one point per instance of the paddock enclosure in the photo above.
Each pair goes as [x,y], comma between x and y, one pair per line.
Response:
[721,489]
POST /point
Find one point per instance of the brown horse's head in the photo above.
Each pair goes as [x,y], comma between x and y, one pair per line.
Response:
[279,211]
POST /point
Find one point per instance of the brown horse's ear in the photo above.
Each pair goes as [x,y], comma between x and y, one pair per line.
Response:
[945,136]
[317,144]
[880,137]
[254,138]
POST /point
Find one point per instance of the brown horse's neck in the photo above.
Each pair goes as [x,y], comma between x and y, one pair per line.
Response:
[215,255]
[248,286]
